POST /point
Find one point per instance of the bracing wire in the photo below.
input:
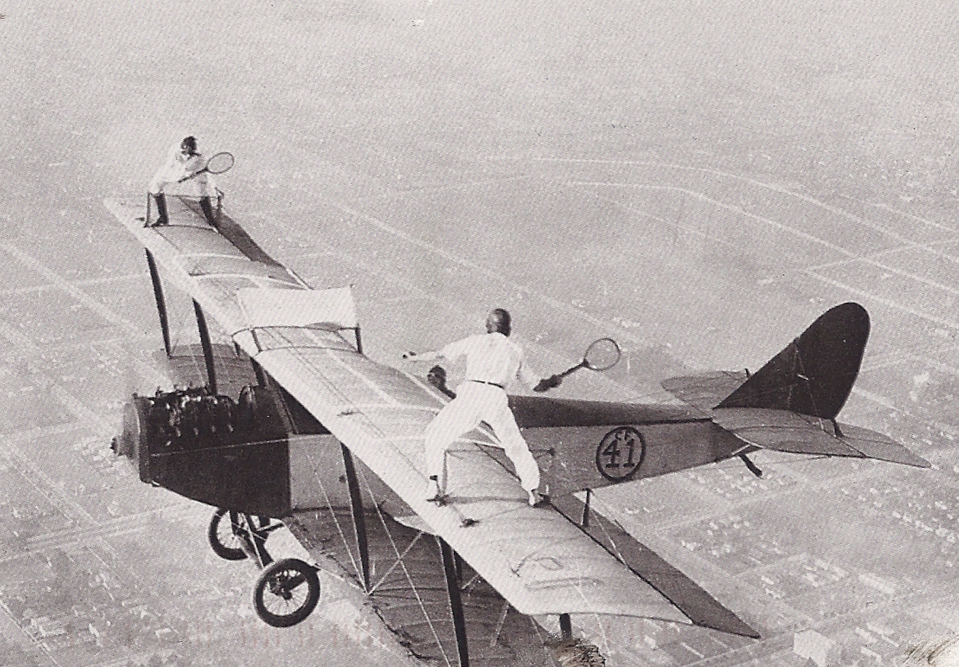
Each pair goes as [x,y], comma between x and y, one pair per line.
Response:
[406,573]
[396,564]
[396,551]
[399,556]
[329,505]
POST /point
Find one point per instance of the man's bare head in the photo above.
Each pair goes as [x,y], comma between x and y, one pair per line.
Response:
[499,320]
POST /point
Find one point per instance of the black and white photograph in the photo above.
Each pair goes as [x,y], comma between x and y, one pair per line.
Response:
[433,333]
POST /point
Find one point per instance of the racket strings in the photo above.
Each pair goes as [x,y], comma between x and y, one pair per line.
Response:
[220,163]
[603,354]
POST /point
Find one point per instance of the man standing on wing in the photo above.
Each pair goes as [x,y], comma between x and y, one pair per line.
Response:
[183,163]
[492,361]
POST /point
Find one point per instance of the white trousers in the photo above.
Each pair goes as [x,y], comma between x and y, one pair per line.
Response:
[476,402]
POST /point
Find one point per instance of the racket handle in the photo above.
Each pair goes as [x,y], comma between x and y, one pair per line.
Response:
[194,174]
[572,369]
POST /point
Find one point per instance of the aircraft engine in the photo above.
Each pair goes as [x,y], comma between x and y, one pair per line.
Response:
[211,448]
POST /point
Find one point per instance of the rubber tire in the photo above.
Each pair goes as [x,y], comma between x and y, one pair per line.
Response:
[285,567]
[220,549]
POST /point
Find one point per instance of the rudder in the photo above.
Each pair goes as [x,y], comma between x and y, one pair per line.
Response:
[814,375]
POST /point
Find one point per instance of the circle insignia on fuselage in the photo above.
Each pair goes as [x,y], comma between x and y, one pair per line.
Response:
[620,453]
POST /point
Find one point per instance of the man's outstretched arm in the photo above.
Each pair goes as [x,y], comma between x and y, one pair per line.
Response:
[432,355]
[532,380]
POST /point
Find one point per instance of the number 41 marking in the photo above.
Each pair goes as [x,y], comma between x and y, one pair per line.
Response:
[620,452]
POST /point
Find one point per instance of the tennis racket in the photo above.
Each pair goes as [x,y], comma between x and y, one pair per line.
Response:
[218,164]
[601,355]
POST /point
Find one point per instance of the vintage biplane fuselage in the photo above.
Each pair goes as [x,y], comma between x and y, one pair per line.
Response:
[259,453]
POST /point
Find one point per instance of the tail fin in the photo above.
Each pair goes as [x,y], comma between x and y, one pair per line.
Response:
[815,373]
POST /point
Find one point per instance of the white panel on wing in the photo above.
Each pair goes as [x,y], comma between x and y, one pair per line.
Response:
[266,307]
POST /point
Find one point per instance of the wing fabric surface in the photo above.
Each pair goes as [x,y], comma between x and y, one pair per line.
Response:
[537,559]
[206,264]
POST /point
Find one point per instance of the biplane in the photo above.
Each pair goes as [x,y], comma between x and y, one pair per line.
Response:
[329,443]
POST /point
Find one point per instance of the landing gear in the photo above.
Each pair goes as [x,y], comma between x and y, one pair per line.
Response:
[225,536]
[235,536]
[286,592]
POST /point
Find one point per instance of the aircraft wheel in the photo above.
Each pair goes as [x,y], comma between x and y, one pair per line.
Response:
[286,592]
[225,542]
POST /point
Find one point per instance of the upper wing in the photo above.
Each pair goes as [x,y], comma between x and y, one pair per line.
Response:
[537,559]
[208,265]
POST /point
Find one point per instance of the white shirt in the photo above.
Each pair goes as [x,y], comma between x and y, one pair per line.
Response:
[492,358]
[179,166]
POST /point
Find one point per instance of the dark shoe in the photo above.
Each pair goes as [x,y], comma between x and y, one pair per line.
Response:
[436,495]
[162,218]
[536,499]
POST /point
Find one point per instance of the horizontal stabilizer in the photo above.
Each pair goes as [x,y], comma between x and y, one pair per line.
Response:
[791,403]
[877,446]
[704,391]
[785,431]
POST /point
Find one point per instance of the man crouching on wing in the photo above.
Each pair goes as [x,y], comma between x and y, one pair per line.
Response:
[492,361]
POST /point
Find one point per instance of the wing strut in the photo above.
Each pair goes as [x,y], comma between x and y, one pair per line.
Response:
[359,518]
[456,602]
[161,302]
[207,347]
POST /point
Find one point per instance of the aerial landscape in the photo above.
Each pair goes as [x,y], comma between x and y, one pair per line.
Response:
[699,181]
